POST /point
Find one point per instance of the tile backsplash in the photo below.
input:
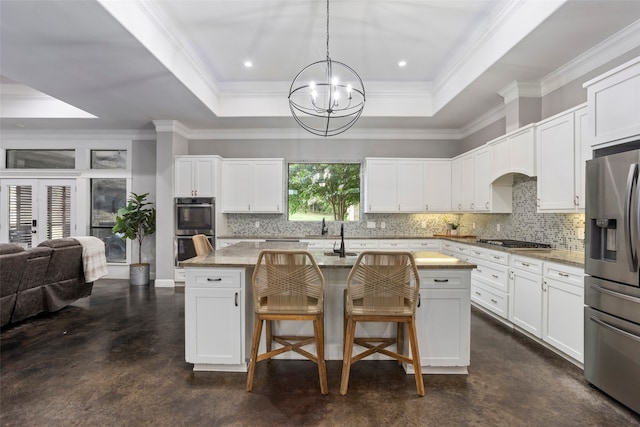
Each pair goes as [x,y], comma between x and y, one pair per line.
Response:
[559,230]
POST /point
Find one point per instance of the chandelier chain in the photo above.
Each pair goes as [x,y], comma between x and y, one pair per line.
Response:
[327,29]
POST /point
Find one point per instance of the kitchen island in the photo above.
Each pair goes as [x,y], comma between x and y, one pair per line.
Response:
[219,309]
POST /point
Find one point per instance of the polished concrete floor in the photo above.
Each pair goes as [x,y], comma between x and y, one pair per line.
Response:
[117,359]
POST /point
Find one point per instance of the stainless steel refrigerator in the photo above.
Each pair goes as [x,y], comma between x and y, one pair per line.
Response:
[612,284]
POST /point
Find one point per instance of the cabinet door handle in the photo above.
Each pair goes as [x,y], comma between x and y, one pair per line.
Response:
[563,274]
[418,300]
[236,299]
[495,257]
[495,276]
[214,279]
[538,202]
[494,301]
[511,275]
[576,200]
[459,206]
[544,289]
[426,207]
[486,205]
[441,280]
[477,293]
[525,264]
[248,207]
[478,270]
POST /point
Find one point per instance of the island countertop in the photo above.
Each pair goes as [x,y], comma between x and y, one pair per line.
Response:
[245,254]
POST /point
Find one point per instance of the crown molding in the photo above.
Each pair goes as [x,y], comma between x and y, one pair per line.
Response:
[296,133]
[172,126]
[515,90]
[608,50]
[95,135]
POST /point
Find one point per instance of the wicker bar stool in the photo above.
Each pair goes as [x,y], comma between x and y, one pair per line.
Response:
[201,244]
[288,285]
[381,287]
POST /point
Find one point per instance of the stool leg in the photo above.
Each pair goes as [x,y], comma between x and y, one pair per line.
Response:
[318,326]
[413,341]
[255,342]
[346,358]
[400,340]
[269,334]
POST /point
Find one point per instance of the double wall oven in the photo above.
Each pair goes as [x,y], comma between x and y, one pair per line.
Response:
[193,215]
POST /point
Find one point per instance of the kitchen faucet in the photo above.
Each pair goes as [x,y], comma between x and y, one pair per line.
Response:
[324,227]
[341,249]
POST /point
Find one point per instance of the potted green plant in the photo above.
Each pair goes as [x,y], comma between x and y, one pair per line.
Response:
[135,221]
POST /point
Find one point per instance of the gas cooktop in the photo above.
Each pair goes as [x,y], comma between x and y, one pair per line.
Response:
[508,243]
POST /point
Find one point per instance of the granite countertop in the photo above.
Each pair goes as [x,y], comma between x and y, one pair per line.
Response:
[245,254]
[563,256]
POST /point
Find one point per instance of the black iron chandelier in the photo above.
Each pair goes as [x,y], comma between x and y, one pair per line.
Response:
[327,97]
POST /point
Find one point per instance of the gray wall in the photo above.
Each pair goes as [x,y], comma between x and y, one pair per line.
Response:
[479,138]
[143,166]
[573,93]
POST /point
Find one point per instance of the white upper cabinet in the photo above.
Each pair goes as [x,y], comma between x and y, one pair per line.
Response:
[410,187]
[252,185]
[514,153]
[194,176]
[437,185]
[394,185]
[561,158]
[456,185]
[614,105]
[482,184]
[407,185]
[381,181]
[472,187]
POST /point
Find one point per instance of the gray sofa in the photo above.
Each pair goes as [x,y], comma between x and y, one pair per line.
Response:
[42,279]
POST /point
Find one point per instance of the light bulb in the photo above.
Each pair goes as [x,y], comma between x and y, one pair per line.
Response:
[312,85]
[334,81]
[349,88]
[314,94]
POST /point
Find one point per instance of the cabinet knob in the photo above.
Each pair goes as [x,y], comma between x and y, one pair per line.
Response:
[576,200]
[426,207]
[472,205]
[538,202]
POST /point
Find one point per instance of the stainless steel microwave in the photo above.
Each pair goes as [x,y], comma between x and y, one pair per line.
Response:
[195,215]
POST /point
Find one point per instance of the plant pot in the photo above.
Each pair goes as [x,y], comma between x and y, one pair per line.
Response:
[454,232]
[139,274]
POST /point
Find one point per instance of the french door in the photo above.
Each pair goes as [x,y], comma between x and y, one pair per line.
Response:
[35,210]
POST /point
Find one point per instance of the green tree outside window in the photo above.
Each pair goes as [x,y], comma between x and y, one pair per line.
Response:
[317,190]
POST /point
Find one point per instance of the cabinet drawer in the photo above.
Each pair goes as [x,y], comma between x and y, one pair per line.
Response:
[361,244]
[526,264]
[213,278]
[442,280]
[392,245]
[498,276]
[563,273]
[318,244]
[492,300]
[425,245]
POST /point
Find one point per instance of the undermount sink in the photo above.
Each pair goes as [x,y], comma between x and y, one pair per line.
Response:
[337,254]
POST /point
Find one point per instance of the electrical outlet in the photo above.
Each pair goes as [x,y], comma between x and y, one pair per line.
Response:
[497,227]
[371,224]
[257,224]
[581,233]
[424,224]
[473,225]
[383,225]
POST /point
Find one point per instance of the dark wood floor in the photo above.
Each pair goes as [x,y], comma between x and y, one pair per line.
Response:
[117,359]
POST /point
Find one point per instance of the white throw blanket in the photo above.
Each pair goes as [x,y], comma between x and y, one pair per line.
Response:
[94,259]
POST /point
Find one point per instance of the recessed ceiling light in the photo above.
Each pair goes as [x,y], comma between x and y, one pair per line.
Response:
[248,64]
[402,63]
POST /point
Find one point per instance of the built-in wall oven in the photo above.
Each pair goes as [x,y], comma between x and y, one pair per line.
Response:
[193,215]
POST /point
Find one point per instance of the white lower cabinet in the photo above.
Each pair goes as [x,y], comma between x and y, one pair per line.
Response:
[215,319]
[563,309]
[443,316]
[525,289]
